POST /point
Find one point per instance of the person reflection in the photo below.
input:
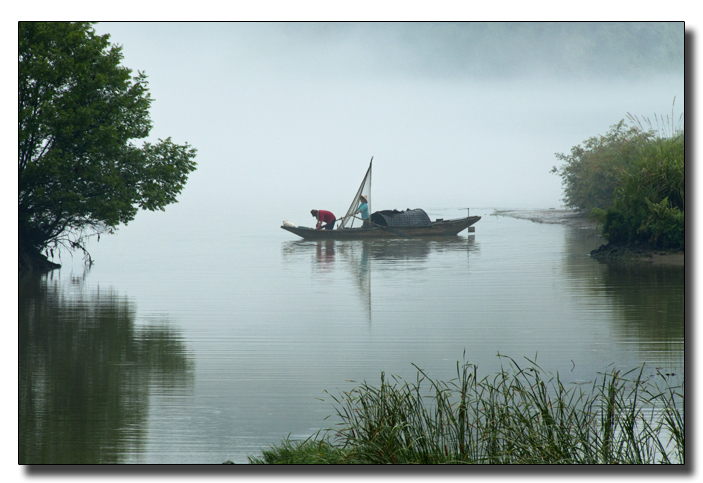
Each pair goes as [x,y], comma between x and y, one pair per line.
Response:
[325,255]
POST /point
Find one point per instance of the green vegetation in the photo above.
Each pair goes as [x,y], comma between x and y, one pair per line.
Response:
[632,181]
[518,416]
[79,173]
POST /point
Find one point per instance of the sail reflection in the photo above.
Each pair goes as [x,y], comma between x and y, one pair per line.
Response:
[87,371]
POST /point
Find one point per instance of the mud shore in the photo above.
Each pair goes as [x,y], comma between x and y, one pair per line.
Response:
[551,216]
[637,253]
[607,252]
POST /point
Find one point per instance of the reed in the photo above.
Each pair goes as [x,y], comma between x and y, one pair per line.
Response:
[521,415]
[663,127]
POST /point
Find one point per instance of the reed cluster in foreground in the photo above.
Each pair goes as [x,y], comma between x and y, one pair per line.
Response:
[517,416]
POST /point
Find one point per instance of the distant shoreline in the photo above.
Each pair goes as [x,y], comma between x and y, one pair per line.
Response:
[606,252]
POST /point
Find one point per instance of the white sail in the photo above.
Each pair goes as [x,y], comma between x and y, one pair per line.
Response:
[364,189]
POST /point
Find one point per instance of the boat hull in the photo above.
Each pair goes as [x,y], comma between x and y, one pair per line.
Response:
[437,228]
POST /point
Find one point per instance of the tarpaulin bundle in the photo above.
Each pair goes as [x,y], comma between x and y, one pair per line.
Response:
[416,217]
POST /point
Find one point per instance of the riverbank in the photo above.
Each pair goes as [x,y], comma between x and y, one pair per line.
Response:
[606,252]
[35,262]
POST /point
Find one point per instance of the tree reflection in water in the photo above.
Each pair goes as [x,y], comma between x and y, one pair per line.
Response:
[649,298]
[652,300]
[86,372]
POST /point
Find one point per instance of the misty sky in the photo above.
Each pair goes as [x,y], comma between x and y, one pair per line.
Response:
[285,117]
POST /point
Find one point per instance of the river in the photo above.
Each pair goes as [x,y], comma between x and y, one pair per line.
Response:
[206,344]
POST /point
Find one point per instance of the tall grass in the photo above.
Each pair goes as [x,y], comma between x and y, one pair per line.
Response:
[521,415]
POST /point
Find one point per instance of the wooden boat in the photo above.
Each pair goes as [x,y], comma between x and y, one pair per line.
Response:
[385,224]
[437,228]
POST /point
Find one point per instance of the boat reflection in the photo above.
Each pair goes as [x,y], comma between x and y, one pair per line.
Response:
[386,251]
[362,258]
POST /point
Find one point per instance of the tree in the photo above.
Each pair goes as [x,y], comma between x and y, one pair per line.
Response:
[80,175]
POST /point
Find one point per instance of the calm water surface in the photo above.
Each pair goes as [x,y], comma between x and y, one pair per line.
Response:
[200,344]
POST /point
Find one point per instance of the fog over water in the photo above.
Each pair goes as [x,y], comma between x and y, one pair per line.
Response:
[285,116]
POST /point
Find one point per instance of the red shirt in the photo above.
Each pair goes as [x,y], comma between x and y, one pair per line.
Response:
[325,216]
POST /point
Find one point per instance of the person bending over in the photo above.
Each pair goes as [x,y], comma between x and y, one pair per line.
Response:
[323,216]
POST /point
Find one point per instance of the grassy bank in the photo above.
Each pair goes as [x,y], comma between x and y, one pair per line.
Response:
[521,415]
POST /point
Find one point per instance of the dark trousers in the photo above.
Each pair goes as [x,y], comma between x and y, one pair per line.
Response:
[329,226]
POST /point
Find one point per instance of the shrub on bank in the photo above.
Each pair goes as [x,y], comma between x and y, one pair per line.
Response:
[632,181]
[648,206]
[518,416]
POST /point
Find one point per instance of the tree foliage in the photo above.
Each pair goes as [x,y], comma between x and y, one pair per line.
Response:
[79,110]
[632,181]
[591,173]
